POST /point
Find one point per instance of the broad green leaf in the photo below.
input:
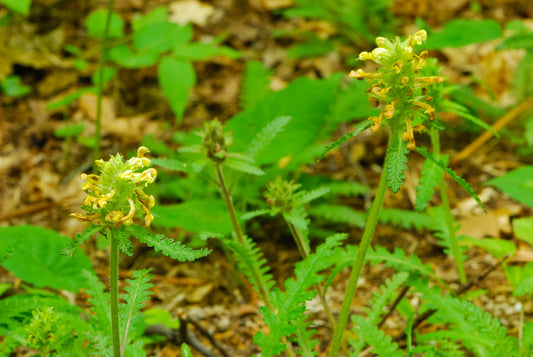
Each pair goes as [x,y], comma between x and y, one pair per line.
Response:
[12,87]
[36,258]
[170,164]
[194,216]
[463,112]
[524,287]
[176,77]
[307,101]
[69,130]
[157,315]
[312,48]
[197,51]
[160,37]
[238,164]
[265,136]
[157,15]
[462,32]
[515,274]
[69,98]
[109,74]
[523,229]
[20,6]
[124,56]
[515,184]
[496,247]
[254,85]
[96,23]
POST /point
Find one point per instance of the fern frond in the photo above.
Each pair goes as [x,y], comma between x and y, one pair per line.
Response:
[166,246]
[423,151]
[138,293]
[406,219]
[348,189]
[305,336]
[99,301]
[251,260]
[358,129]
[304,197]
[80,238]
[399,261]
[240,164]
[438,344]
[290,304]
[380,300]
[339,214]
[266,136]
[463,112]
[396,162]
[370,334]
[441,232]
[298,217]
[429,179]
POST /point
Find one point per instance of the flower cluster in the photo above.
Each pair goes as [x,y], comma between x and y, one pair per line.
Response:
[117,193]
[280,194]
[398,83]
[215,141]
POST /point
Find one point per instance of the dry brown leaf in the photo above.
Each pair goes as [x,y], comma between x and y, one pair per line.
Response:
[190,11]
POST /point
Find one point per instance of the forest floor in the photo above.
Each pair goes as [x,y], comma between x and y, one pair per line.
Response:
[39,183]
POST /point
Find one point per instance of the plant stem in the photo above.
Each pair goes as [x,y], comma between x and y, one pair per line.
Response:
[113,275]
[371,223]
[228,200]
[100,87]
[435,142]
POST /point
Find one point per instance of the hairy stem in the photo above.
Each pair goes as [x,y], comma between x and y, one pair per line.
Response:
[371,223]
[435,141]
[113,275]
[100,87]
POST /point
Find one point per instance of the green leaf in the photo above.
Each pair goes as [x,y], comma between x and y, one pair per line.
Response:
[253,214]
[166,246]
[339,214]
[96,23]
[312,48]
[241,164]
[523,229]
[457,178]
[266,136]
[304,197]
[36,258]
[395,162]
[137,294]
[160,37]
[69,98]
[524,287]
[462,32]
[20,6]
[429,179]
[358,129]
[170,164]
[186,350]
[463,112]
[194,216]
[515,184]
[69,130]
[125,57]
[198,51]
[12,87]
[157,15]
[497,247]
[109,74]
[254,86]
[406,219]
[176,77]
[157,315]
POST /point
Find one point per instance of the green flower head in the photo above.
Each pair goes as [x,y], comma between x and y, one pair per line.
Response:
[117,194]
[398,84]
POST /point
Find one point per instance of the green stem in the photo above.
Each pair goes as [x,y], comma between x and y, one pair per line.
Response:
[100,87]
[228,200]
[448,217]
[371,223]
[113,275]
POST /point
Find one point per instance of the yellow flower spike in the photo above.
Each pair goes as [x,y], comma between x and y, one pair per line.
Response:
[409,136]
[114,216]
[388,112]
[376,122]
[360,74]
[428,109]
[397,66]
[102,200]
[93,217]
[419,37]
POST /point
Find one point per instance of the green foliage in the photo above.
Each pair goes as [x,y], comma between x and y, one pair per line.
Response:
[176,78]
[12,87]
[359,128]
[406,219]
[137,295]
[335,213]
[96,23]
[166,246]
[266,136]
[457,178]
[497,247]
[396,162]
[369,333]
[517,184]
[20,6]
[35,257]
[289,305]
[462,32]
[254,87]
[429,179]
[523,229]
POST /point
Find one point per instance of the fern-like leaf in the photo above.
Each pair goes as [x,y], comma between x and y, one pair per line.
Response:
[463,112]
[290,304]
[80,238]
[304,197]
[441,232]
[429,179]
[250,262]
[380,300]
[370,334]
[339,214]
[170,164]
[406,219]
[266,136]
[138,293]
[396,162]
[400,261]
[167,246]
[358,129]
[457,178]
[305,336]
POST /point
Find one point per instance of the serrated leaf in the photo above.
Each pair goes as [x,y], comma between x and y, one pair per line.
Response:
[304,197]
[176,77]
[253,214]
[170,164]
[429,179]
[166,246]
[358,129]
[239,164]
[457,178]
[406,219]
[264,138]
[339,214]
[395,162]
[497,247]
